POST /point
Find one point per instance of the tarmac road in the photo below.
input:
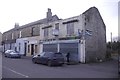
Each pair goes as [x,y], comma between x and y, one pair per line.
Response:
[24,68]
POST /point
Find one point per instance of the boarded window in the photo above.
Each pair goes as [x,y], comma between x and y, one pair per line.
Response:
[46,32]
[70,29]
[33,29]
[57,26]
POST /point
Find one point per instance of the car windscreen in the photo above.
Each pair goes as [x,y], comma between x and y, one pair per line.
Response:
[13,53]
[8,51]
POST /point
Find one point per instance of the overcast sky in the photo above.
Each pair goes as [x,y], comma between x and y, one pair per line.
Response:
[26,11]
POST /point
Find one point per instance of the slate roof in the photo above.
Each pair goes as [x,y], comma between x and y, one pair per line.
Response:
[41,21]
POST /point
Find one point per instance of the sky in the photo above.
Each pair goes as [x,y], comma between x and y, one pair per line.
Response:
[26,11]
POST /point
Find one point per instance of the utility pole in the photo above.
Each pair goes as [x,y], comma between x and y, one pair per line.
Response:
[111,36]
[111,42]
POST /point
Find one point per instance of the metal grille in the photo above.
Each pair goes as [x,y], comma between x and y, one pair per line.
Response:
[49,47]
[72,48]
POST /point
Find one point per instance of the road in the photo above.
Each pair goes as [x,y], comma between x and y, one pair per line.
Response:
[0,66]
[24,68]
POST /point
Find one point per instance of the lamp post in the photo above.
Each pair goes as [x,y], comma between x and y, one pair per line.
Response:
[111,45]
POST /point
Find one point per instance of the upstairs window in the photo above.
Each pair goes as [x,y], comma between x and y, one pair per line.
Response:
[70,29]
[46,32]
[33,29]
[12,35]
[6,37]
[20,34]
[57,26]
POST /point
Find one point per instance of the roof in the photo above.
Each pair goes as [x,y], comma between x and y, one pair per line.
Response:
[41,21]
[91,9]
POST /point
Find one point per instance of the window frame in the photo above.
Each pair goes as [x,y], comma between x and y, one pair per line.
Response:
[70,29]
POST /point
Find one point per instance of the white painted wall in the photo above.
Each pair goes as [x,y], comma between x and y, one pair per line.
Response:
[22,46]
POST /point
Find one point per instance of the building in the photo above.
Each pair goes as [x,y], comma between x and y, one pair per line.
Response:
[83,48]
[0,41]
[20,37]
[83,36]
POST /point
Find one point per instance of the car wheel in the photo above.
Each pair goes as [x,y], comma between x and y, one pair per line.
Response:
[49,63]
[61,64]
[5,56]
[33,60]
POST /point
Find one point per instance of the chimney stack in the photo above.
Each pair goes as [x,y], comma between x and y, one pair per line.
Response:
[16,25]
[49,14]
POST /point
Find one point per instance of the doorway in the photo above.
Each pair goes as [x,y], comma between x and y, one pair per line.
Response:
[32,49]
[25,50]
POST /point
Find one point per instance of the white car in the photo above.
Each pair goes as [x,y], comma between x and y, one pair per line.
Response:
[8,51]
[12,54]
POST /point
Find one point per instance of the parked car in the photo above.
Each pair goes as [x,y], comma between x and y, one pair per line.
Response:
[49,58]
[8,51]
[12,54]
[119,64]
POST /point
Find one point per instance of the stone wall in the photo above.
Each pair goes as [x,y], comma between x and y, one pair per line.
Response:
[95,45]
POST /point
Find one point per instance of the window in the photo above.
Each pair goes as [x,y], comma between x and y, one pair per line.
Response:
[12,35]
[33,29]
[6,37]
[57,26]
[46,32]
[47,54]
[28,48]
[35,48]
[20,35]
[70,29]
[19,47]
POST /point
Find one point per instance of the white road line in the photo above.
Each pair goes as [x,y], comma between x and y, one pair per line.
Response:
[16,72]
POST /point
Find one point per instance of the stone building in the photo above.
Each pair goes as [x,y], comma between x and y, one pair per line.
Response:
[18,38]
[0,41]
[83,36]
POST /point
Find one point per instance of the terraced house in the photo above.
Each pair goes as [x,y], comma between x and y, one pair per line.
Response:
[83,36]
[25,38]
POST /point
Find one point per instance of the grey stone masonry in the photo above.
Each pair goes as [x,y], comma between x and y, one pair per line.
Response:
[95,45]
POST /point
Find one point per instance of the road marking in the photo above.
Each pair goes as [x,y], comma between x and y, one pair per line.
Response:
[16,72]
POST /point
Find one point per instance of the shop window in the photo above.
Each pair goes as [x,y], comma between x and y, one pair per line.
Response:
[19,47]
[35,48]
[28,48]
